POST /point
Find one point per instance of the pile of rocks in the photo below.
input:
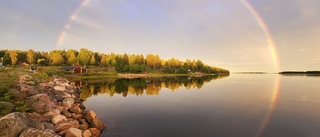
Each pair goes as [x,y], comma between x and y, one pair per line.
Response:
[55,110]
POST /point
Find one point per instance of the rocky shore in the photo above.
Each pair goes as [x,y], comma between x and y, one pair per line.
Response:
[55,110]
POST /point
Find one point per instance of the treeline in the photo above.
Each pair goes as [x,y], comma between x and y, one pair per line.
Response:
[123,63]
[144,86]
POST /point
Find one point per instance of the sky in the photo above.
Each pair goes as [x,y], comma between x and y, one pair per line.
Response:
[222,33]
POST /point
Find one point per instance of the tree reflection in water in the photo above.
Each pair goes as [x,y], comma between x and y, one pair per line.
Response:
[149,86]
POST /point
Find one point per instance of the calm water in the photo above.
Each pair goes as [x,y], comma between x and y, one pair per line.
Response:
[267,105]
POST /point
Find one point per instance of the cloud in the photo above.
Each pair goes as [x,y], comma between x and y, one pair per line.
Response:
[241,64]
[302,50]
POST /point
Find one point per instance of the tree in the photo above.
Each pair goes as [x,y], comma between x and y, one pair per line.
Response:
[199,65]
[103,60]
[126,59]
[119,64]
[6,59]
[56,58]
[2,53]
[22,56]
[13,56]
[93,60]
[153,61]
[31,56]
[84,56]
[41,62]
[72,56]
[111,59]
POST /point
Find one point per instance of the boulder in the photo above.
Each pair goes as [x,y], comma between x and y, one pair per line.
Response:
[30,83]
[68,102]
[5,108]
[98,124]
[90,115]
[87,133]
[73,132]
[61,93]
[13,124]
[23,87]
[62,84]
[61,88]
[76,109]
[24,78]
[36,124]
[18,95]
[62,133]
[76,116]
[37,116]
[32,132]
[59,119]
[47,85]
[67,125]
[49,126]
[66,113]
[40,103]
[32,91]
[52,112]
[83,127]
[55,97]
[95,132]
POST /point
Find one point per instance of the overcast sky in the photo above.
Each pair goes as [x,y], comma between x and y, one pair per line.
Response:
[222,33]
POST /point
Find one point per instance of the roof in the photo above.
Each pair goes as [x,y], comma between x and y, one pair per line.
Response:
[69,67]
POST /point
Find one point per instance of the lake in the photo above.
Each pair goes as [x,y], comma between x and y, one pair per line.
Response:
[239,105]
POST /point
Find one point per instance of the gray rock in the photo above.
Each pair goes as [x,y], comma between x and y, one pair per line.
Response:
[47,85]
[67,125]
[87,133]
[24,78]
[61,88]
[75,109]
[59,119]
[52,112]
[95,132]
[54,96]
[67,113]
[30,83]
[5,108]
[98,124]
[40,103]
[68,102]
[49,126]
[73,132]
[18,95]
[13,124]
[23,87]
[90,115]
[32,91]
[36,124]
[61,93]
[32,132]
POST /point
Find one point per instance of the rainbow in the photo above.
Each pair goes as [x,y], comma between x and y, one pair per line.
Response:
[271,44]
[67,26]
[265,30]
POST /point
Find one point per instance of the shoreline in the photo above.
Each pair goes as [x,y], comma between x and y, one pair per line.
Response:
[53,109]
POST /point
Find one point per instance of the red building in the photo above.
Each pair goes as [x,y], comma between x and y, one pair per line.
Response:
[75,69]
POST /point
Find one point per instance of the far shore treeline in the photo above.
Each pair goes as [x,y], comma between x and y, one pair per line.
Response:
[123,63]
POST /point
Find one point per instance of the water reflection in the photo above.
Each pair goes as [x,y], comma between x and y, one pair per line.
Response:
[149,86]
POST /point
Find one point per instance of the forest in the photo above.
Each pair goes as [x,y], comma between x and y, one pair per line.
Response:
[123,63]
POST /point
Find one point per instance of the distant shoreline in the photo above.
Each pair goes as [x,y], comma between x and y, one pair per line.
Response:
[249,73]
[300,72]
